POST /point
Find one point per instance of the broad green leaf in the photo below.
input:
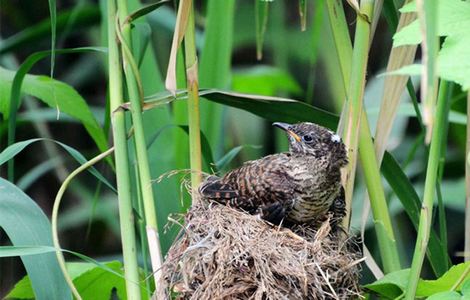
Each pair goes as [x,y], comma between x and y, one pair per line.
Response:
[264,80]
[446,296]
[466,288]
[453,19]
[391,285]
[16,148]
[444,283]
[25,224]
[92,282]
[97,284]
[11,251]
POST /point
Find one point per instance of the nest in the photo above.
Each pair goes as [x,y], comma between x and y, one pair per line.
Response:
[223,253]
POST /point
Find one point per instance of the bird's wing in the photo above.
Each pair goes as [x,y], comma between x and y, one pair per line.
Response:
[215,189]
[264,186]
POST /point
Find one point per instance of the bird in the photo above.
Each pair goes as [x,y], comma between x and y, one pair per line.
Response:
[300,186]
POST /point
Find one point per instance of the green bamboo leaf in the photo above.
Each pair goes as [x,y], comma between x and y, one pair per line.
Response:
[144,11]
[26,224]
[16,148]
[53,13]
[261,20]
[270,108]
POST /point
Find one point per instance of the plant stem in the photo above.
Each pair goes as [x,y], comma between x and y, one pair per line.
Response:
[55,214]
[357,69]
[126,216]
[383,225]
[425,220]
[193,103]
[136,99]
[467,187]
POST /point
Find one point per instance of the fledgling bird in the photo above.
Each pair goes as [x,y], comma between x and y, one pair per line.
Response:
[300,186]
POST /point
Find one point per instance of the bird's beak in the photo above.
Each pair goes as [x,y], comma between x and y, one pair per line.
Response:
[285,126]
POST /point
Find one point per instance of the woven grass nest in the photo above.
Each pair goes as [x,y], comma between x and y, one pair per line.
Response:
[223,253]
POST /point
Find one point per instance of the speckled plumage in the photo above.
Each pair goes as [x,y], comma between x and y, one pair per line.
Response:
[299,186]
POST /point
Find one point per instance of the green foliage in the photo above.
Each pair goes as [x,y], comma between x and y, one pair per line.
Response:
[55,94]
[26,224]
[452,23]
[393,285]
[92,281]
[16,148]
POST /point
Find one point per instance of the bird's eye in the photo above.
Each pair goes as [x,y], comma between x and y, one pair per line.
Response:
[307,138]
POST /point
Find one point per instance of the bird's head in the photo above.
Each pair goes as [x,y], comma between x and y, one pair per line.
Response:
[312,139]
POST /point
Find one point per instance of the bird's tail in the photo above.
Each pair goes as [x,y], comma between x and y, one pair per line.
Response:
[214,189]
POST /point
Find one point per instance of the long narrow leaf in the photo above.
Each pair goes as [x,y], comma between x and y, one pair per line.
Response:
[26,224]
[11,151]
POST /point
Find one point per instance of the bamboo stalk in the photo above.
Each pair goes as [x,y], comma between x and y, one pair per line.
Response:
[425,220]
[126,216]
[136,99]
[193,103]
[355,93]
[356,69]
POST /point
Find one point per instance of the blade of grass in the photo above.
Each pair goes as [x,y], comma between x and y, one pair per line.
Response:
[126,215]
[425,221]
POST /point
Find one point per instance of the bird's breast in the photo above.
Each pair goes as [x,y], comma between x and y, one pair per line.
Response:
[315,193]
